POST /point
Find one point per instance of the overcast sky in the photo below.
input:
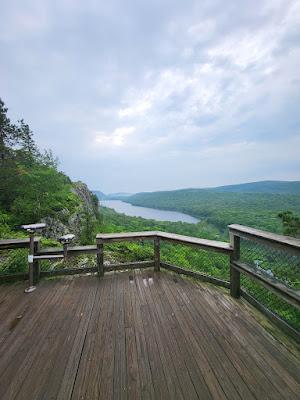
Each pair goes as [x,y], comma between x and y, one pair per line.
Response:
[158,94]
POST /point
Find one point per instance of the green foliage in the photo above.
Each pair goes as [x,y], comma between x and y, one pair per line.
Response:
[291,223]
[258,210]
[283,187]
[14,261]
[43,192]
[87,233]
[31,185]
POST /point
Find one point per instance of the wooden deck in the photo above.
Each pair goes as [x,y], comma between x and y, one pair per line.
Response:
[137,335]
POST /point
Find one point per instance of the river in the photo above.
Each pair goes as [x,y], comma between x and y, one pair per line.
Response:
[148,213]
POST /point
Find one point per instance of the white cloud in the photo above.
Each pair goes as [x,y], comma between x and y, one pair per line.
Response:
[139,108]
[117,137]
[164,84]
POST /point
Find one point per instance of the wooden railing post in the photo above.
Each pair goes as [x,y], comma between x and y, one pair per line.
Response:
[235,276]
[156,254]
[100,258]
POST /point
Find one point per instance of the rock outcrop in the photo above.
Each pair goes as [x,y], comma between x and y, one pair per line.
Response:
[77,222]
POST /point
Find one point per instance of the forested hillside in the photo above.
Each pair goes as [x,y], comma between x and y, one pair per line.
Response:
[258,210]
[33,189]
[279,187]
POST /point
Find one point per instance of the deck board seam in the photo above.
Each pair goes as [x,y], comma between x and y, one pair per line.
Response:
[141,291]
[83,344]
[166,300]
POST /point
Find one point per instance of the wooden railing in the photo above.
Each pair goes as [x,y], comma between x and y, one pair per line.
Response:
[284,243]
[158,237]
[232,250]
[278,244]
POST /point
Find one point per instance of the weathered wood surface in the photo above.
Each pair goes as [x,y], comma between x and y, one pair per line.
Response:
[235,275]
[72,250]
[284,242]
[213,245]
[124,236]
[129,265]
[157,254]
[290,294]
[195,274]
[16,243]
[137,335]
[100,259]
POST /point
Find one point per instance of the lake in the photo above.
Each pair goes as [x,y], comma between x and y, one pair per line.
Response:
[148,213]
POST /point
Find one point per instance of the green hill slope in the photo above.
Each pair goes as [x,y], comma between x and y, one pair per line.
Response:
[258,210]
[283,187]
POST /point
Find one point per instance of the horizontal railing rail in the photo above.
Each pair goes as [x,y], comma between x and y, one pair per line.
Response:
[286,243]
[72,250]
[222,247]
[22,243]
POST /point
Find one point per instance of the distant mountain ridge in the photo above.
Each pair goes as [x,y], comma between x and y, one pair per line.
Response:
[111,196]
[276,187]
[288,187]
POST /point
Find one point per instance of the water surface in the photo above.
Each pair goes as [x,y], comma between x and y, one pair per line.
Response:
[148,213]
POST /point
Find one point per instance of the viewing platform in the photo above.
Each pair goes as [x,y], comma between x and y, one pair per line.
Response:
[138,335]
[150,329]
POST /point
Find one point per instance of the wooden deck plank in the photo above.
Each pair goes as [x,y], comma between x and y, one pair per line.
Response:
[244,338]
[120,367]
[60,383]
[178,345]
[50,362]
[217,338]
[164,339]
[137,335]
[25,344]
[133,373]
[163,386]
[279,374]
[239,358]
[212,357]
[146,382]
[87,379]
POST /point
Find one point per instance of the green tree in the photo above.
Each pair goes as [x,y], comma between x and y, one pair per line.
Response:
[291,223]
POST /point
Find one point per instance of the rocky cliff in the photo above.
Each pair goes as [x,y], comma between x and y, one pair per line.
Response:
[80,222]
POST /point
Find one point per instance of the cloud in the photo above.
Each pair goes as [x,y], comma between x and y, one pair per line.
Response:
[116,138]
[156,95]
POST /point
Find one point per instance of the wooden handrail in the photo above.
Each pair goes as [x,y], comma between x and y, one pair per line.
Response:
[284,242]
[206,244]
[125,236]
[22,243]
[72,250]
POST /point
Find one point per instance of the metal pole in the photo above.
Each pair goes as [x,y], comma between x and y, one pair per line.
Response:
[31,287]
